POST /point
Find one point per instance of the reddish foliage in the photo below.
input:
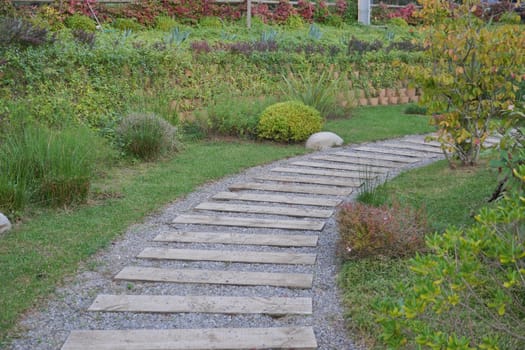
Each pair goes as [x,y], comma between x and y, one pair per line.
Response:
[340,7]
[321,12]
[305,9]
[262,11]
[367,231]
[283,11]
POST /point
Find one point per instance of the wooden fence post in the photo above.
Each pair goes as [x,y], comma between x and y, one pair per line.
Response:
[363,11]
[249,13]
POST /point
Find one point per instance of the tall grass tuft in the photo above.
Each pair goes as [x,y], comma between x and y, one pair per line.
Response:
[373,191]
[54,168]
[147,136]
[318,90]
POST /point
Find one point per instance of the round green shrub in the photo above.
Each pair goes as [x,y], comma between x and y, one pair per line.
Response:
[290,121]
[81,22]
[127,24]
[146,136]
[398,21]
[210,22]
[295,22]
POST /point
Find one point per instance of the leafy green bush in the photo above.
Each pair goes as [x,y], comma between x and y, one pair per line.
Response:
[210,22]
[237,116]
[290,121]
[50,167]
[127,24]
[398,21]
[147,136]
[78,21]
[415,109]
[165,23]
[367,231]
[316,90]
[294,22]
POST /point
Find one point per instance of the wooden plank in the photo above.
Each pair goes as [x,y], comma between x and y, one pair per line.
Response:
[359,161]
[291,188]
[413,147]
[389,150]
[311,180]
[263,209]
[238,278]
[249,222]
[277,198]
[325,165]
[379,156]
[202,304]
[310,171]
[228,256]
[421,141]
[298,338]
[239,238]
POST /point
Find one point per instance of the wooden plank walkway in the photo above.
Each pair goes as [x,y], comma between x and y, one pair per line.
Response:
[231,256]
[238,278]
[386,157]
[202,304]
[239,238]
[311,180]
[298,338]
[329,191]
[277,198]
[413,147]
[260,209]
[249,222]
[310,171]
[360,161]
[389,151]
[326,165]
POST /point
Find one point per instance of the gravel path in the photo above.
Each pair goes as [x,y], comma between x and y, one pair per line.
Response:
[49,327]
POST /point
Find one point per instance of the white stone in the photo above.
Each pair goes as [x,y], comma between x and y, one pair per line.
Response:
[5,225]
[323,140]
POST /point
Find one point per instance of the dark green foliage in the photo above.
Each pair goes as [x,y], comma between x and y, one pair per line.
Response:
[78,21]
[367,231]
[146,136]
[290,121]
[14,31]
[415,109]
[237,116]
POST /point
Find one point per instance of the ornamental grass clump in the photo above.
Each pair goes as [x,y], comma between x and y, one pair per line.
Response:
[290,121]
[147,136]
[366,231]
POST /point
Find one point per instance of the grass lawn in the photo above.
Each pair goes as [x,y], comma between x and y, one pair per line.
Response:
[49,245]
[450,198]
[378,123]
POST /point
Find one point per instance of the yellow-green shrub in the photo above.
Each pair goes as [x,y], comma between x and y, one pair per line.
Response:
[290,121]
[81,22]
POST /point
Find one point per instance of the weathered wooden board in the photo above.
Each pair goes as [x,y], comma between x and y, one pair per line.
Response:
[249,222]
[263,209]
[378,156]
[413,147]
[310,171]
[239,238]
[277,198]
[419,141]
[311,180]
[330,191]
[298,338]
[202,304]
[228,256]
[359,161]
[239,278]
[339,166]
[388,150]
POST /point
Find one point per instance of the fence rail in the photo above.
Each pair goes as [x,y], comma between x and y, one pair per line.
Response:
[268,2]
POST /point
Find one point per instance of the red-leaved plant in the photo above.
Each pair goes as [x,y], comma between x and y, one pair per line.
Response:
[367,231]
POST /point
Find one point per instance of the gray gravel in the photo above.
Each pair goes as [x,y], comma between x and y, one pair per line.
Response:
[48,327]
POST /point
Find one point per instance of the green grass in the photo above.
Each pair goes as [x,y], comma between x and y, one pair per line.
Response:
[450,198]
[378,123]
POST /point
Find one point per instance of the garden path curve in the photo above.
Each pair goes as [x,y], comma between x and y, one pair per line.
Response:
[245,263]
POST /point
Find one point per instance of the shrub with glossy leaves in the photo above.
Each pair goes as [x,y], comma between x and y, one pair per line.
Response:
[366,231]
[290,121]
[147,136]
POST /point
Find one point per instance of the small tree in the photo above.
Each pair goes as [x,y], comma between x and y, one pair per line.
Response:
[473,74]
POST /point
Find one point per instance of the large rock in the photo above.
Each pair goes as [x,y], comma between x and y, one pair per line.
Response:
[5,225]
[323,140]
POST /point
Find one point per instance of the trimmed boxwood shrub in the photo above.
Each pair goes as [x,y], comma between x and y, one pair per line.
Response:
[290,121]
